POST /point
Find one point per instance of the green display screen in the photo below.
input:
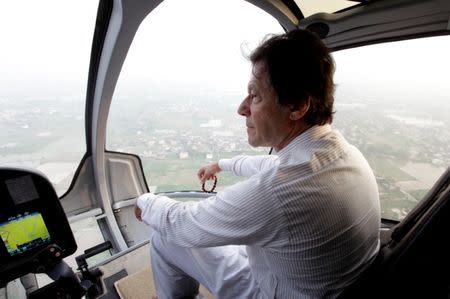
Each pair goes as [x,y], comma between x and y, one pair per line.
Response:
[24,232]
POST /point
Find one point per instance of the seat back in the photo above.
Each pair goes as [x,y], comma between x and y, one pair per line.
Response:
[415,261]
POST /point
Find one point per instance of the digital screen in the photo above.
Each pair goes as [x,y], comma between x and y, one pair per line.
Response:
[24,232]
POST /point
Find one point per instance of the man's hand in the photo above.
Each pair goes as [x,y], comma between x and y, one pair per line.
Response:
[207,172]
[137,212]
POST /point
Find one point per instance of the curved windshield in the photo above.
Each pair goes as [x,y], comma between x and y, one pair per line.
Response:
[44,62]
[392,102]
[176,100]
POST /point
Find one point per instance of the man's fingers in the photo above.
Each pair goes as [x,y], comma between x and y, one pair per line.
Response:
[201,173]
[138,213]
[207,172]
[209,176]
[204,179]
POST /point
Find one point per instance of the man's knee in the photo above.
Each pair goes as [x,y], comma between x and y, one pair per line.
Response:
[170,279]
[156,241]
[158,251]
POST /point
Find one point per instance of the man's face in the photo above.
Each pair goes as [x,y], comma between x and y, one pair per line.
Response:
[268,123]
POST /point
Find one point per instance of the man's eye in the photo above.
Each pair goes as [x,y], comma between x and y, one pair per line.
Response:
[254,98]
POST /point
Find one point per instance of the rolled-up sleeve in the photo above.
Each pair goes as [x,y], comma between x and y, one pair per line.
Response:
[240,214]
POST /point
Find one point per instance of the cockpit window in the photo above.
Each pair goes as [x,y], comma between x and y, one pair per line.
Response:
[310,7]
[44,62]
[176,100]
[392,102]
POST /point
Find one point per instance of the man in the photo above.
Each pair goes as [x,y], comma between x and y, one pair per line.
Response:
[309,215]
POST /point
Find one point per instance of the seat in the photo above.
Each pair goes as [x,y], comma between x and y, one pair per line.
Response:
[415,261]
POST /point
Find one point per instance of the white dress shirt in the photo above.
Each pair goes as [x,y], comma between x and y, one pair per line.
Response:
[309,215]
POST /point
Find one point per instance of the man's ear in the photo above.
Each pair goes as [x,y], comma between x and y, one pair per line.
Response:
[299,112]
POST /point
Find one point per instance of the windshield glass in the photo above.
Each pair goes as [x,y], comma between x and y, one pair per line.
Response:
[392,102]
[181,86]
[44,62]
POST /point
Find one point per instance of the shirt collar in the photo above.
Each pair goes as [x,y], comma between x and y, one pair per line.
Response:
[303,140]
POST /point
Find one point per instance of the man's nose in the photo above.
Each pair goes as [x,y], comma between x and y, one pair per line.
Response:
[244,108]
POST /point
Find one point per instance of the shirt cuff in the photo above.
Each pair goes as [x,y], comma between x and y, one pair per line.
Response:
[225,164]
[154,209]
[144,200]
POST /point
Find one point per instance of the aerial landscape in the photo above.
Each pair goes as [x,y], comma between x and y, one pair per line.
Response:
[175,134]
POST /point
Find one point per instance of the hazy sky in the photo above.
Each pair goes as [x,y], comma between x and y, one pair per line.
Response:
[46,46]
[177,45]
[415,71]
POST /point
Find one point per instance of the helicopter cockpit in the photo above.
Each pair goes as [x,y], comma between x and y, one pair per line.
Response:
[145,107]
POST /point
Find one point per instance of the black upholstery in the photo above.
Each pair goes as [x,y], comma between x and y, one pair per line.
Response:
[415,262]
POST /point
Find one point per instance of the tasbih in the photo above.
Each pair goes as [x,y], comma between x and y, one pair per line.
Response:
[213,187]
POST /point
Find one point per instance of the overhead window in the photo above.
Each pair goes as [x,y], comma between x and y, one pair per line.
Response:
[310,7]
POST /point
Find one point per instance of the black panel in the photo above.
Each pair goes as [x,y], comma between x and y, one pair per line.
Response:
[111,292]
[103,17]
[321,29]
[32,221]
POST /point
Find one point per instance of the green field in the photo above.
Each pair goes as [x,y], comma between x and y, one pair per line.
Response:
[388,168]
[180,175]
